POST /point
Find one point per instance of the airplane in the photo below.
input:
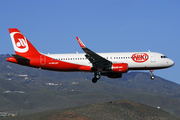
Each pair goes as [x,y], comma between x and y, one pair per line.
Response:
[112,65]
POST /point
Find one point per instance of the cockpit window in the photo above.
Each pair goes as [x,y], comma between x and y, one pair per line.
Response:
[164,57]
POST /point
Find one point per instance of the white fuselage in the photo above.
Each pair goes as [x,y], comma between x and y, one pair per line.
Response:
[154,60]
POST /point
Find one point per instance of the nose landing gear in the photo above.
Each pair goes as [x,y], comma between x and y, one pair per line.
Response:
[152,76]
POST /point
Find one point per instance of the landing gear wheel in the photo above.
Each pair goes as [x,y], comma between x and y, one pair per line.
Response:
[152,77]
[97,76]
[94,80]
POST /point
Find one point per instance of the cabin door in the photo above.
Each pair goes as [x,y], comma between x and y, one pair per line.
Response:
[43,60]
[153,58]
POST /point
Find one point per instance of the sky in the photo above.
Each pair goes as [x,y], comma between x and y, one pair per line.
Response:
[102,25]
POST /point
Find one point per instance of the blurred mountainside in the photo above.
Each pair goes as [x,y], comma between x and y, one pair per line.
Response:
[112,110]
[28,90]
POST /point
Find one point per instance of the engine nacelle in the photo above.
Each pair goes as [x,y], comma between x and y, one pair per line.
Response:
[120,67]
[116,70]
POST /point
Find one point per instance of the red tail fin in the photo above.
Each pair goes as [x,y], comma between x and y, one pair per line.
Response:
[21,45]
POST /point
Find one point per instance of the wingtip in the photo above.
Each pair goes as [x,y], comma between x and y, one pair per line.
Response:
[80,42]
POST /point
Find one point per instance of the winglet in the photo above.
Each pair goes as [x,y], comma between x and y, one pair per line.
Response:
[80,42]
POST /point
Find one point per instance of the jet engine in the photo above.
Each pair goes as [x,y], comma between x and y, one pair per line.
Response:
[120,67]
[116,70]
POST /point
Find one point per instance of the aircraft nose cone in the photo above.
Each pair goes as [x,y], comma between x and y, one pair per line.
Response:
[171,62]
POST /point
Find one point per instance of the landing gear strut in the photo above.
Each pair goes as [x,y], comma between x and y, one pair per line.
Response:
[152,76]
[97,76]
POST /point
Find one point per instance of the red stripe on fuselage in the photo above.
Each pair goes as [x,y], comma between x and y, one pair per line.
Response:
[57,65]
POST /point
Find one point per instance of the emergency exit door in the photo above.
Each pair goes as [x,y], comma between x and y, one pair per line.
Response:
[153,57]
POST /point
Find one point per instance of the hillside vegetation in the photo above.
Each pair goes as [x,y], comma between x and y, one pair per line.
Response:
[114,110]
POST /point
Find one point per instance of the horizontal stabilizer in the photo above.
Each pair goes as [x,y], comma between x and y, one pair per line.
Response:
[18,57]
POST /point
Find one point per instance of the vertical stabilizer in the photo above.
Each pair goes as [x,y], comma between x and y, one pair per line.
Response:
[21,45]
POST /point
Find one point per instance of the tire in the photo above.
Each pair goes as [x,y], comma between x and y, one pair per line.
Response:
[94,80]
[97,76]
[152,77]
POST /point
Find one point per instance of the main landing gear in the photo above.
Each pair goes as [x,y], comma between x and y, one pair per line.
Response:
[152,76]
[97,76]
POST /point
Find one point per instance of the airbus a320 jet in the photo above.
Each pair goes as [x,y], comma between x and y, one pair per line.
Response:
[112,65]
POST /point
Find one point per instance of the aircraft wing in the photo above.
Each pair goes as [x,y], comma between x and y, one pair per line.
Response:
[97,60]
